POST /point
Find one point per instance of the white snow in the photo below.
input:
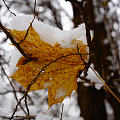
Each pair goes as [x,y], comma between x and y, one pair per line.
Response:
[15,55]
[52,35]
[115,1]
[47,117]
[94,79]
[47,84]
[60,92]
[71,103]
[70,118]
[49,33]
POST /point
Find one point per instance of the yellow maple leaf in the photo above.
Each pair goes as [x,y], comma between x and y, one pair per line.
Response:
[59,77]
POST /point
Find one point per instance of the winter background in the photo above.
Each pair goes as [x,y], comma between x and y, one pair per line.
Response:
[62,18]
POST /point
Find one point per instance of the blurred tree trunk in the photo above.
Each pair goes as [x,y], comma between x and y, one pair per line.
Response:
[91,100]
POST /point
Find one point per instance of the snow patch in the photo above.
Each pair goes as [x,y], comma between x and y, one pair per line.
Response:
[47,84]
[94,79]
[60,92]
[49,33]
[15,55]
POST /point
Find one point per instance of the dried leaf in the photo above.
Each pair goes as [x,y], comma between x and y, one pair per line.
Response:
[60,77]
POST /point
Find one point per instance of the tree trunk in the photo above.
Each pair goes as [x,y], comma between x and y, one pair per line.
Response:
[91,100]
[91,103]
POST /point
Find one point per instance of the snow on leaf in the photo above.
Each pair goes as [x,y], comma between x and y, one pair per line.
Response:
[60,77]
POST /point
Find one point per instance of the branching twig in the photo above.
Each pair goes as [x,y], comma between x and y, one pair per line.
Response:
[39,74]
[28,113]
[43,69]
[19,117]
[11,91]
[14,91]
[17,106]
[81,55]
[13,41]
[29,25]
[82,9]
[27,31]
[85,63]
[9,8]
[4,117]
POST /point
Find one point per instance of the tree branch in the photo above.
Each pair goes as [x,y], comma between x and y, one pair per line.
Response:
[9,8]
[13,40]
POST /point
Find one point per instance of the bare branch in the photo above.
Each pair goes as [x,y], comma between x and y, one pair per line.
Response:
[39,74]
[4,117]
[15,110]
[14,91]
[9,8]
[81,5]
[29,25]
[25,117]
[26,105]
[19,117]
[27,31]
[13,41]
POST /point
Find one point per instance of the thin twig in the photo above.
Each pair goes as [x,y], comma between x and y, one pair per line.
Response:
[26,105]
[17,106]
[19,117]
[29,25]
[39,74]
[41,71]
[62,112]
[25,117]
[28,113]
[4,117]
[85,18]
[22,52]
[11,91]
[9,8]
[27,30]
[14,91]
[82,9]
[35,6]
[114,95]
[81,55]
[85,63]
[13,40]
